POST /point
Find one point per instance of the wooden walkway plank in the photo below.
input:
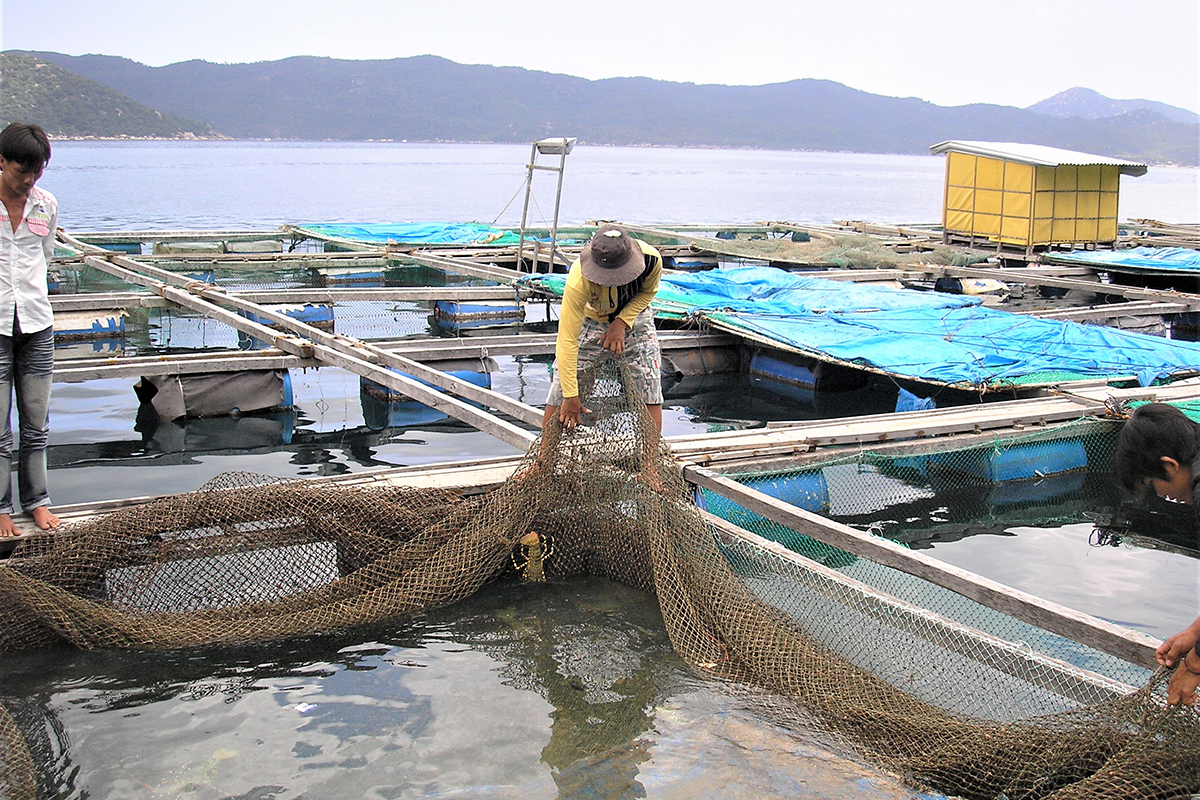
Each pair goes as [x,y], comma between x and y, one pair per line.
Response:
[426,351]
[1018,274]
[804,436]
[112,301]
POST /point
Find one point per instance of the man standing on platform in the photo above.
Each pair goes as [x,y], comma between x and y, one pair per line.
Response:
[606,306]
[26,320]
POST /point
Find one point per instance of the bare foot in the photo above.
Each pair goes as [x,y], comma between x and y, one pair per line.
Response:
[7,528]
[44,518]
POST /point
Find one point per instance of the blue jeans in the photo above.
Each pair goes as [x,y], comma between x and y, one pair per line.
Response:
[26,367]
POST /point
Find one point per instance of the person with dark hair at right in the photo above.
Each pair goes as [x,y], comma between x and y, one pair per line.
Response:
[26,320]
[1159,449]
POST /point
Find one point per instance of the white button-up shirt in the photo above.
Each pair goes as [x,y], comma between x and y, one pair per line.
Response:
[24,262]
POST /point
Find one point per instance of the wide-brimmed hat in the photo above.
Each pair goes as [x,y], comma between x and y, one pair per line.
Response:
[612,258]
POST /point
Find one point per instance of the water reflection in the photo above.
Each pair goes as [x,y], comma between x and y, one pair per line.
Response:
[555,690]
[602,664]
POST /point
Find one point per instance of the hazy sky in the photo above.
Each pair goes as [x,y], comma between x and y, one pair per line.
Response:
[951,53]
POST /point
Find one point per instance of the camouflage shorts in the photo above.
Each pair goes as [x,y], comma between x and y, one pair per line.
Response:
[641,354]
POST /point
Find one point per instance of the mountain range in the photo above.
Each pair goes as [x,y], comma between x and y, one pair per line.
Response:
[427,98]
[1090,104]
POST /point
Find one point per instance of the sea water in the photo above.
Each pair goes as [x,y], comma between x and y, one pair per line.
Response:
[567,690]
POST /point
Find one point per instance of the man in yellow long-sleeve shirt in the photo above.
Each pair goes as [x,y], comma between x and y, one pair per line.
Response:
[606,306]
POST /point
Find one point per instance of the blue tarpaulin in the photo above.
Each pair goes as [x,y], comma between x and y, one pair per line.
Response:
[924,336]
[1137,259]
[469,233]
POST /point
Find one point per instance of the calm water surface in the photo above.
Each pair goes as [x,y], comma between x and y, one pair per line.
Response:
[568,691]
[155,185]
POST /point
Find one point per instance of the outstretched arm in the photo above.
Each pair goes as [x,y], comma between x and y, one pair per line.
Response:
[1171,650]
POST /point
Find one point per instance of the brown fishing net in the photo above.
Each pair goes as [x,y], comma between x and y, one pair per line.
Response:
[248,559]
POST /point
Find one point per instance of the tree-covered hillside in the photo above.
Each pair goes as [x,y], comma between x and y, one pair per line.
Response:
[38,91]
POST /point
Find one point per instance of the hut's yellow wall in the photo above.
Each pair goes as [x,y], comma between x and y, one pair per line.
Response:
[1024,205]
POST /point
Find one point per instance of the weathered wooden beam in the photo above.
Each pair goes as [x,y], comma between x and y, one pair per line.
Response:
[1140,308]
[902,231]
[1191,301]
[109,301]
[269,259]
[426,351]
[112,301]
[117,237]
[804,436]
[541,344]
[86,369]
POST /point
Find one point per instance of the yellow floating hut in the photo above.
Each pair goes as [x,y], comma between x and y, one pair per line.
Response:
[1030,195]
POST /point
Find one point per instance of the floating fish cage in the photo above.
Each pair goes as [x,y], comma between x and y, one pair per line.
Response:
[456,315]
[916,492]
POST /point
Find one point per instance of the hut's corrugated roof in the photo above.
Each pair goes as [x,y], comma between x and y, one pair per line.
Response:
[1036,154]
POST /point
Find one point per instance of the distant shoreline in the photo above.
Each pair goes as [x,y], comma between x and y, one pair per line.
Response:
[444,141]
[231,139]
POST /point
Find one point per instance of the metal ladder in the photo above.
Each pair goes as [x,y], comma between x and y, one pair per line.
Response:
[560,147]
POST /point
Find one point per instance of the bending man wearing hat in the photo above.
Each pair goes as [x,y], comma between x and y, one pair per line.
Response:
[606,306]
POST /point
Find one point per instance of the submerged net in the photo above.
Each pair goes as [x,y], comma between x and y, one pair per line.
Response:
[248,559]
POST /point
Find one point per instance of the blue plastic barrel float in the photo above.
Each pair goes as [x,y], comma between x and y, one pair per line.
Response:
[1027,472]
[385,408]
[806,489]
[318,315]
[690,263]
[804,380]
[129,248]
[459,315]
